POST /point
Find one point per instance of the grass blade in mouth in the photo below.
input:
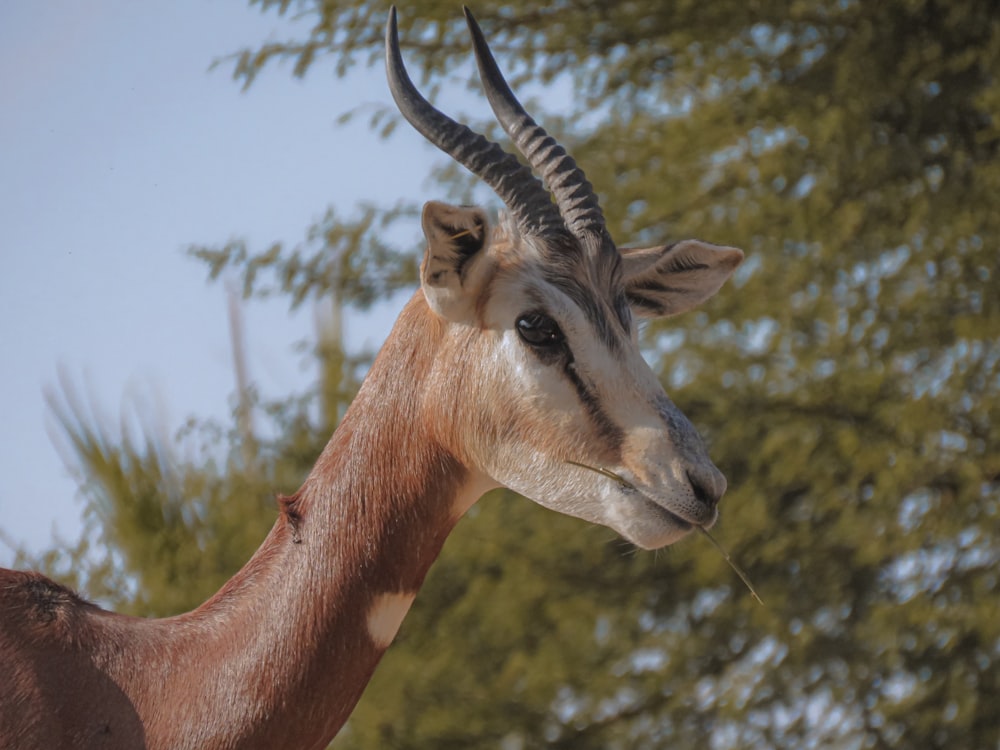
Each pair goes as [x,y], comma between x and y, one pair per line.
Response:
[607,473]
[736,568]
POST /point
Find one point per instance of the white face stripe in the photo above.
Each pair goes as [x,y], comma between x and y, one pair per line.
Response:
[385,615]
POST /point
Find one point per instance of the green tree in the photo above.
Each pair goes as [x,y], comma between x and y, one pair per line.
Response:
[847,382]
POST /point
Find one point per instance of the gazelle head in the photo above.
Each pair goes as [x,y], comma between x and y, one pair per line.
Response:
[539,368]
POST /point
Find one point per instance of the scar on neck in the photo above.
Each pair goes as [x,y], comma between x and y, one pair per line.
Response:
[289,508]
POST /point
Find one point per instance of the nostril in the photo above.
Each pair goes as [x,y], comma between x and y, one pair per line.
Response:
[705,491]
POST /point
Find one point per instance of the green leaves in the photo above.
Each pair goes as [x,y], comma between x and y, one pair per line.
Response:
[347,259]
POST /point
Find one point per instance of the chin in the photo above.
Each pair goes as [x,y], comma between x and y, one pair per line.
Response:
[653,527]
[650,539]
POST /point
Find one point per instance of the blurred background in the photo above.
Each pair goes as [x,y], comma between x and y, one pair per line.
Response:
[846,380]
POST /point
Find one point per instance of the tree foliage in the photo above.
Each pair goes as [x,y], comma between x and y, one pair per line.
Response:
[847,381]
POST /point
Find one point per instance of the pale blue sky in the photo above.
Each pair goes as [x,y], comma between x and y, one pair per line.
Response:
[118,148]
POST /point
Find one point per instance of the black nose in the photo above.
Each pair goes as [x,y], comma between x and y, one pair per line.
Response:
[708,484]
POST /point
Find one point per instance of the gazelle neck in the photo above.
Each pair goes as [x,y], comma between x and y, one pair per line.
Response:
[305,622]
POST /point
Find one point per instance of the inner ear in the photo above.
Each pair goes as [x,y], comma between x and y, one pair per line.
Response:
[671,279]
[456,236]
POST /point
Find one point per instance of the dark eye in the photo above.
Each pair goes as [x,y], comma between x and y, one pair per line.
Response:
[536,329]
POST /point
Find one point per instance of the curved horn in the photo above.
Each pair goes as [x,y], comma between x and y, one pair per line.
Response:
[575,197]
[524,195]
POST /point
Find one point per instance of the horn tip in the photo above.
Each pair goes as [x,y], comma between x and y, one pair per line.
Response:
[469,18]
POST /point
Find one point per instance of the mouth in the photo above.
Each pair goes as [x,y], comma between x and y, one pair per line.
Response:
[681,519]
[667,515]
[680,525]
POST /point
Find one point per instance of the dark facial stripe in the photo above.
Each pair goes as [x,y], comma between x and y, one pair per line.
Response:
[624,311]
[591,402]
[588,270]
[610,321]
[612,433]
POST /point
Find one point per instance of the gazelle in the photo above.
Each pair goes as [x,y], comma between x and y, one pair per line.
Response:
[515,364]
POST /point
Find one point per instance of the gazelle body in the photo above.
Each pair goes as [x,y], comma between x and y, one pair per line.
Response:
[515,358]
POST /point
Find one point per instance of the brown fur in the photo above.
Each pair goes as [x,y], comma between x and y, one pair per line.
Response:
[280,655]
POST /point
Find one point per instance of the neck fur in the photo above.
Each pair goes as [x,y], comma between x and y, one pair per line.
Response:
[299,630]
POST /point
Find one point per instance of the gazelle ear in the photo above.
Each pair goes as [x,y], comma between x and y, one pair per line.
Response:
[671,279]
[456,235]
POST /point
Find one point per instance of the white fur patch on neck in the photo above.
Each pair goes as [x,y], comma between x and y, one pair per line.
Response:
[386,614]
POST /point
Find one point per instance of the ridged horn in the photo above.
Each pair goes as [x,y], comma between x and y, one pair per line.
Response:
[524,195]
[574,195]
